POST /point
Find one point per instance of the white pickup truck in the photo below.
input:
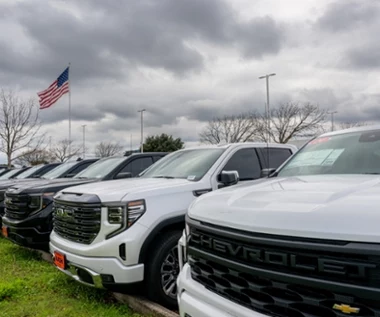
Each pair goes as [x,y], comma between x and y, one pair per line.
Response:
[117,233]
[303,242]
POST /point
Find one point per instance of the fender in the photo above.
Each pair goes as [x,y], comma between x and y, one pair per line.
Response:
[171,222]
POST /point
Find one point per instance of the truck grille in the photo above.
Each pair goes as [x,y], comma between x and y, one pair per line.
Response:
[287,278]
[19,206]
[79,223]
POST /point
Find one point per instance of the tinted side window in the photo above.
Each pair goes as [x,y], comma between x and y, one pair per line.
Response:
[44,170]
[276,156]
[246,162]
[156,158]
[80,168]
[137,166]
[141,164]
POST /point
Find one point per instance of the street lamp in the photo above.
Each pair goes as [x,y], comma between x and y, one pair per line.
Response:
[142,129]
[84,140]
[267,105]
[332,119]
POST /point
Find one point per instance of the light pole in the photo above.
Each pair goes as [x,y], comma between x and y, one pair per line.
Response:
[142,129]
[84,140]
[332,119]
[267,105]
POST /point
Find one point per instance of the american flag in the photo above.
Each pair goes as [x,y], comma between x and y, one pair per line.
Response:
[55,91]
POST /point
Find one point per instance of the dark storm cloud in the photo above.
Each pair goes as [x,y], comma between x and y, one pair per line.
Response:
[349,14]
[366,57]
[111,37]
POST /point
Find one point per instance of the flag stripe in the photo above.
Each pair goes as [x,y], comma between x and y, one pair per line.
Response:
[52,86]
[47,102]
[53,98]
[53,94]
[56,90]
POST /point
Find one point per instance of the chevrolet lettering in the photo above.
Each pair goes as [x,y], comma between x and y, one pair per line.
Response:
[296,261]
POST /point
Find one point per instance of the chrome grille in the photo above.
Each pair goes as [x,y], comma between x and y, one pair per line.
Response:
[17,206]
[79,223]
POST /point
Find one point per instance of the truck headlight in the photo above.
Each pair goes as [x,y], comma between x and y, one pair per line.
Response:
[116,215]
[135,209]
[125,216]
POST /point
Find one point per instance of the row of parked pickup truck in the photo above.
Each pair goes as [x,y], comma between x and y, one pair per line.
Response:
[117,222]
[246,229]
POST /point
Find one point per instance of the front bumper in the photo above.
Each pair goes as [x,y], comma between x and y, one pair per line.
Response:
[32,232]
[194,300]
[100,272]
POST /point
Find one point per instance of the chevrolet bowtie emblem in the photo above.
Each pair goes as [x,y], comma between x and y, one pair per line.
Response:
[346,309]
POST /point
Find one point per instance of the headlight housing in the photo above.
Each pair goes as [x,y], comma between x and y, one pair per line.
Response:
[125,216]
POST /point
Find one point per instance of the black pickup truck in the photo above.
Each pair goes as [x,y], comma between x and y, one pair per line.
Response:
[28,209]
[42,174]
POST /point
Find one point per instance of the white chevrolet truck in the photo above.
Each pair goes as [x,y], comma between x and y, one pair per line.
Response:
[303,242]
[118,233]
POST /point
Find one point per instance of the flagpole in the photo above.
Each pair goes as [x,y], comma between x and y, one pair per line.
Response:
[69,111]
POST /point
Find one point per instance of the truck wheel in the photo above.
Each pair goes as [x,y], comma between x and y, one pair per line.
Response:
[163,270]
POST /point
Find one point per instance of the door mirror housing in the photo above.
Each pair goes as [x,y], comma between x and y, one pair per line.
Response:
[123,175]
[266,172]
[229,178]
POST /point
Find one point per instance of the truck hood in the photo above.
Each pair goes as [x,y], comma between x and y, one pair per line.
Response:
[343,207]
[46,185]
[9,182]
[116,190]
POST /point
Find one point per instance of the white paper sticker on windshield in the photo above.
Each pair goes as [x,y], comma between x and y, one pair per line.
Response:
[316,158]
[330,160]
[191,177]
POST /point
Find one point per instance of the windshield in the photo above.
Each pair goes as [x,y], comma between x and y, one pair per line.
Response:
[188,164]
[101,168]
[350,153]
[59,170]
[9,174]
[28,172]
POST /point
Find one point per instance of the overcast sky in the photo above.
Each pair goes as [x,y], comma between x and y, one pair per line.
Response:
[186,61]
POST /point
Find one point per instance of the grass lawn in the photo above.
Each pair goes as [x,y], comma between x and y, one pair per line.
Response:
[31,287]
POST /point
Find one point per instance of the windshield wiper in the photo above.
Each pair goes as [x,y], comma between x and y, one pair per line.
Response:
[81,177]
[161,176]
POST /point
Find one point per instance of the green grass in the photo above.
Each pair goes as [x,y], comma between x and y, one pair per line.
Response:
[31,287]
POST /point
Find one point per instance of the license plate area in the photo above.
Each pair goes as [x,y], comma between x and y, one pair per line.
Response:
[5,231]
[59,260]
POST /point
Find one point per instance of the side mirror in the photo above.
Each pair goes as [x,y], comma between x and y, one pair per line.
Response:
[229,178]
[123,175]
[266,172]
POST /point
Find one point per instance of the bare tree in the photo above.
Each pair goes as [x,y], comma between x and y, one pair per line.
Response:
[105,149]
[291,120]
[33,157]
[60,151]
[19,125]
[347,125]
[231,129]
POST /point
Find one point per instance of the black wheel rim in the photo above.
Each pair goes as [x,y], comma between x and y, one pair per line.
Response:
[169,273]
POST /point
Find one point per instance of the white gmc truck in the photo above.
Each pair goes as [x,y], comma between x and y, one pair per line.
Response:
[118,233]
[303,242]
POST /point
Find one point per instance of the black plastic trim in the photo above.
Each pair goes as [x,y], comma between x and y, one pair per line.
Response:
[167,222]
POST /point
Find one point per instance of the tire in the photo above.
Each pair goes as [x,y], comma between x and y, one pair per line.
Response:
[163,269]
